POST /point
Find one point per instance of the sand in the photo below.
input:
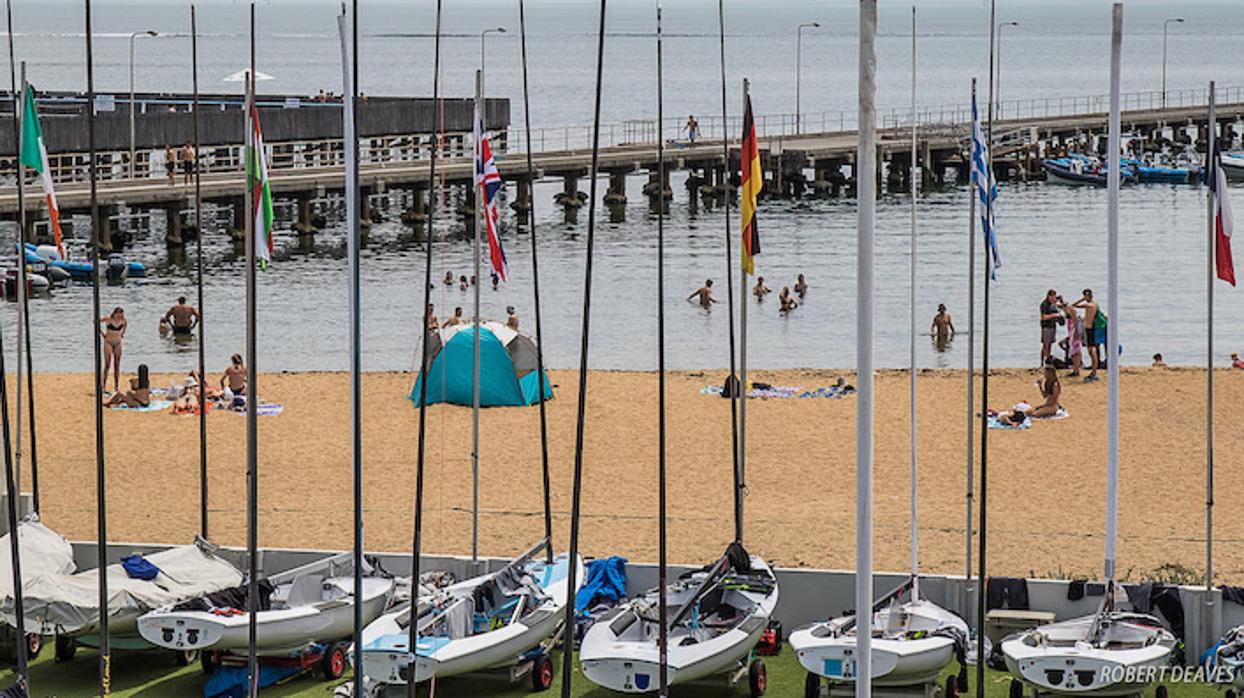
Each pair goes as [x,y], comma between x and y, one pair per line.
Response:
[1046,487]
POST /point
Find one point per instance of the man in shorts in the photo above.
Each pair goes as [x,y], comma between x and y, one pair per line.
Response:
[1094,331]
[1050,317]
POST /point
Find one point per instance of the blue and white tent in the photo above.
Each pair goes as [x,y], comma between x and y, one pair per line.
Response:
[507,367]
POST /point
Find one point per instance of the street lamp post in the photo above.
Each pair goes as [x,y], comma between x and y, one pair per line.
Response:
[483,98]
[998,61]
[799,65]
[1165,25]
[133,36]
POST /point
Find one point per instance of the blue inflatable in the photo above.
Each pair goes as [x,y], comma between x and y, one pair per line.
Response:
[80,271]
[507,368]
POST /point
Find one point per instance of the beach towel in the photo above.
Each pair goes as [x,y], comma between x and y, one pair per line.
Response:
[772,391]
[153,406]
[995,423]
[832,391]
[1060,414]
[265,409]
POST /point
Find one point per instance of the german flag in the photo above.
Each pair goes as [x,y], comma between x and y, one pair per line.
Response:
[753,181]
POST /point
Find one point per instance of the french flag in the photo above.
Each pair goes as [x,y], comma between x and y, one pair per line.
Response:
[488,184]
[1223,220]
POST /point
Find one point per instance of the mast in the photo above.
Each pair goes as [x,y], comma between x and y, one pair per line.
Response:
[535,283]
[198,262]
[416,545]
[252,426]
[1211,169]
[1112,289]
[729,198]
[479,221]
[349,79]
[101,495]
[972,195]
[581,417]
[22,300]
[984,486]
[866,186]
[662,533]
[915,535]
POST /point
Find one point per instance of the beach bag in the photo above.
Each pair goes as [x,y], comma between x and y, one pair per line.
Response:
[731,387]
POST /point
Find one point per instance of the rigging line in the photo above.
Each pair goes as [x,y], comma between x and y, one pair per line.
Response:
[988,258]
[662,563]
[729,198]
[101,511]
[423,365]
[571,584]
[198,250]
[535,283]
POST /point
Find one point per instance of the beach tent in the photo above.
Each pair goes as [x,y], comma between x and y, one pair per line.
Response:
[507,367]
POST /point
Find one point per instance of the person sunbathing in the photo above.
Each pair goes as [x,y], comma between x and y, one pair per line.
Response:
[139,394]
[1015,418]
[187,403]
[1051,391]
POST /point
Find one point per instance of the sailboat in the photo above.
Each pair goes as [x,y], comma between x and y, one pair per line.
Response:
[912,641]
[1109,652]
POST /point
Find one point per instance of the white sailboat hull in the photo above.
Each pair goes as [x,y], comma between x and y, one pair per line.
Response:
[894,662]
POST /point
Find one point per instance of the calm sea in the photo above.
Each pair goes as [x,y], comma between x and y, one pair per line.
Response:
[1050,236]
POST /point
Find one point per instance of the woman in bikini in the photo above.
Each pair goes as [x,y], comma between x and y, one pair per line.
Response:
[1051,390]
[139,394]
[115,325]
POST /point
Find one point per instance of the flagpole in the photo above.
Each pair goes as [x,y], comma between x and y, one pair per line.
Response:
[984,486]
[22,306]
[198,250]
[915,534]
[971,421]
[730,261]
[866,186]
[1112,288]
[1211,169]
[252,426]
[739,502]
[479,222]
[662,533]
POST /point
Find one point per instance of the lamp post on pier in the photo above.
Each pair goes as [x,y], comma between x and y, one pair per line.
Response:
[799,66]
[483,95]
[133,36]
[1166,25]
[998,62]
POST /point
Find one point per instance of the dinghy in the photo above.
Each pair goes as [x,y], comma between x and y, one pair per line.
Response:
[1104,654]
[1081,170]
[297,608]
[911,643]
[717,616]
[1225,661]
[482,623]
[77,270]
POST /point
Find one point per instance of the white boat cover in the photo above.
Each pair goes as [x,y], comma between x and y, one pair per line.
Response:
[69,603]
[43,551]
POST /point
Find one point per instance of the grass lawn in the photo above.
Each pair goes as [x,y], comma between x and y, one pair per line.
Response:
[151,674]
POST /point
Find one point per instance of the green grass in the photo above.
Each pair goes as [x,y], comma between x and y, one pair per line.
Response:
[152,674]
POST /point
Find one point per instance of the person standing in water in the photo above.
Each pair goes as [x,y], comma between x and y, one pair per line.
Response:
[182,318]
[942,327]
[511,318]
[801,287]
[787,303]
[760,290]
[115,326]
[705,294]
[455,319]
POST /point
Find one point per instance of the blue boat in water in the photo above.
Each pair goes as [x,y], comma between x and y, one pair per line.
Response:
[1083,170]
[116,270]
[1164,173]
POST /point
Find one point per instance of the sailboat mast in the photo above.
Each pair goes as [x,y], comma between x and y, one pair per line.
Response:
[1211,168]
[1112,290]
[866,185]
[662,545]
[982,541]
[479,222]
[915,535]
[22,307]
[971,421]
[739,504]
[252,426]
[198,253]
[349,78]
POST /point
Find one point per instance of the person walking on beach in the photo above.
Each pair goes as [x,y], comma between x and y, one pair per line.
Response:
[705,295]
[182,318]
[942,328]
[170,165]
[115,326]
[455,319]
[511,318]
[234,377]
[1050,319]
[1094,331]
[692,128]
[801,287]
[187,163]
[760,290]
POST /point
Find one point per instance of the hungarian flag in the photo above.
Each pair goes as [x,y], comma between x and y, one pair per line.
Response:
[753,181]
[260,192]
[35,156]
[488,184]
[1223,220]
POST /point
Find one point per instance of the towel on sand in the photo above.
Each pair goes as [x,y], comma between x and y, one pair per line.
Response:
[1060,414]
[786,391]
[153,406]
[265,409]
[995,423]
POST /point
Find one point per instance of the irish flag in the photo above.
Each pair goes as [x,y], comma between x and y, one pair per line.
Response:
[35,156]
[261,193]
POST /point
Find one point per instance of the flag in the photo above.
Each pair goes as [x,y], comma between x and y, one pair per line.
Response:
[1223,220]
[260,191]
[488,181]
[987,190]
[35,156]
[753,181]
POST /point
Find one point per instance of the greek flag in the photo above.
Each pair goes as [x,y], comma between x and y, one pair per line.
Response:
[987,190]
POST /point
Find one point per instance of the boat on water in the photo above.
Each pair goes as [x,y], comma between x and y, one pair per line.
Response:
[716,616]
[486,622]
[81,270]
[1104,654]
[912,642]
[1232,164]
[36,284]
[297,608]
[1083,170]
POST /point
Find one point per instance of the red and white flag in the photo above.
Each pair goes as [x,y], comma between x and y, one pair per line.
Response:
[1223,221]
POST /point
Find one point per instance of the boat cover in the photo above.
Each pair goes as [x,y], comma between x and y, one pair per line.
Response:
[67,603]
[43,551]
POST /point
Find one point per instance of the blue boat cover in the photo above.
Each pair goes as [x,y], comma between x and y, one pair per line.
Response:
[606,582]
[451,373]
[138,567]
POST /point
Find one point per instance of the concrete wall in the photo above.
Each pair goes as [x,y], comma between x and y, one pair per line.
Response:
[66,133]
[805,595]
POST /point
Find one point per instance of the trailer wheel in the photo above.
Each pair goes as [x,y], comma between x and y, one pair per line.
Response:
[66,648]
[1160,692]
[757,678]
[185,657]
[952,687]
[542,673]
[812,686]
[1017,688]
[34,645]
[209,661]
[333,665]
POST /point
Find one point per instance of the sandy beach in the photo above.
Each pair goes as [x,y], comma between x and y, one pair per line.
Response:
[1046,494]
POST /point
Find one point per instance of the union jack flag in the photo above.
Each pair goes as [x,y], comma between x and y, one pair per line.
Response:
[488,184]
